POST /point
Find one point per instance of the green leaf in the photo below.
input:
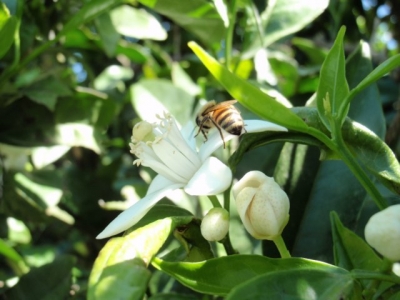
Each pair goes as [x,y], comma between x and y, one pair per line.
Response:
[88,12]
[253,140]
[47,91]
[196,16]
[298,284]
[7,33]
[366,107]
[333,88]
[108,35]
[220,275]
[120,270]
[137,23]
[374,154]
[13,258]
[351,251]
[51,281]
[376,74]
[4,14]
[248,95]
[156,96]
[283,18]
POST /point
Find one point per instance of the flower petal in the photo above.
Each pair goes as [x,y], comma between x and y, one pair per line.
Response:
[213,143]
[133,214]
[173,158]
[212,178]
[260,125]
[158,183]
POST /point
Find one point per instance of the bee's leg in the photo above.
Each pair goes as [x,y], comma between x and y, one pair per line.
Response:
[204,134]
[220,133]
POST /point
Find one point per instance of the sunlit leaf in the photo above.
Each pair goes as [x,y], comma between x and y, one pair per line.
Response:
[137,23]
[197,16]
[7,33]
[282,18]
[120,270]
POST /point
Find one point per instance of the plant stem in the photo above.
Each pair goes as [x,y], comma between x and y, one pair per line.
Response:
[280,244]
[229,32]
[357,170]
[226,242]
[214,201]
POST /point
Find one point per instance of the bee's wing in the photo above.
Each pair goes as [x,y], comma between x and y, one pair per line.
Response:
[219,106]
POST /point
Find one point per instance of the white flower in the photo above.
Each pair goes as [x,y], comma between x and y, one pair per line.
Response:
[262,205]
[173,155]
[383,232]
[215,224]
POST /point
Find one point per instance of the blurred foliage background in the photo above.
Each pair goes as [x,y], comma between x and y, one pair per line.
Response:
[75,76]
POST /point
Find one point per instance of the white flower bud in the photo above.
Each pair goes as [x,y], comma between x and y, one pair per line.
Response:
[262,205]
[142,131]
[215,224]
[382,232]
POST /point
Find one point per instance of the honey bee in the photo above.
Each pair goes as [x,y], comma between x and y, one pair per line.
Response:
[222,116]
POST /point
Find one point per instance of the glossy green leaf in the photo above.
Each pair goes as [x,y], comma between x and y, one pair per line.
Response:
[366,107]
[51,281]
[351,251]
[248,95]
[18,232]
[374,154]
[380,71]
[298,284]
[47,91]
[88,12]
[4,14]
[108,35]
[120,270]
[283,18]
[196,16]
[333,87]
[13,258]
[137,23]
[156,96]
[220,275]
[7,33]
[253,140]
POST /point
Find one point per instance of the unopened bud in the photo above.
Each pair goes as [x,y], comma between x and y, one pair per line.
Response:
[262,205]
[215,224]
[382,232]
